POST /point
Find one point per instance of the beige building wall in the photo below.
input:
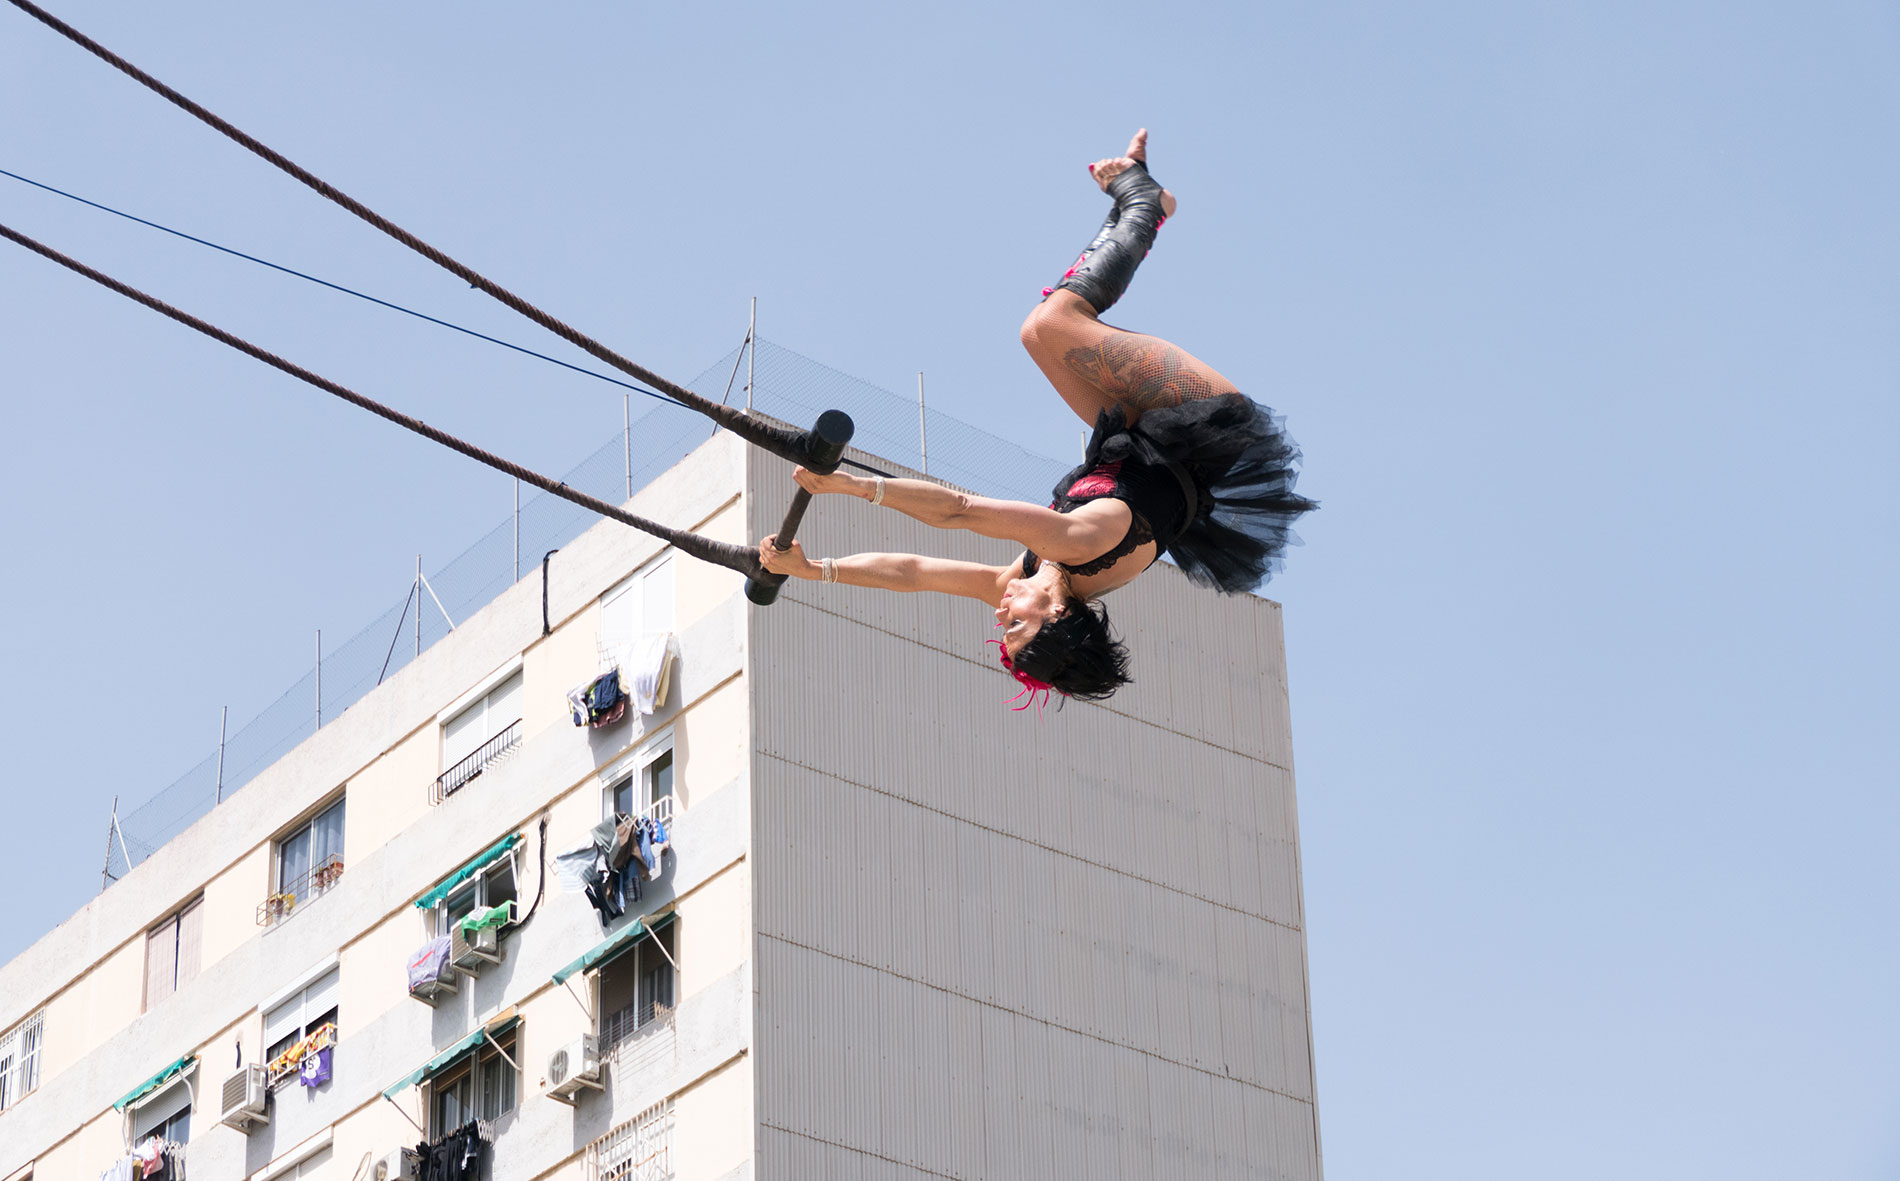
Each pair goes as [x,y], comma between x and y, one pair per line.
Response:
[917,934]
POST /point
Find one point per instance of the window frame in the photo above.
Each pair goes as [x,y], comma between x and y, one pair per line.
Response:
[636,584]
[309,1022]
[488,1054]
[144,1123]
[277,909]
[643,960]
[478,696]
[638,766]
[444,913]
[176,922]
[22,1050]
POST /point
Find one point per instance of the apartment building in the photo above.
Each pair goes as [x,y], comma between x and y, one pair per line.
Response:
[892,929]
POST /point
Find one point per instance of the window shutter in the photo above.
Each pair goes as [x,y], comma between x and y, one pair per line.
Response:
[657,599]
[504,706]
[462,735]
[191,926]
[320,997]
[283,1021]
[161,962]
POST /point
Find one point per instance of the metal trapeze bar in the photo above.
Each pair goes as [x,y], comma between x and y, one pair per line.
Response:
[824,447]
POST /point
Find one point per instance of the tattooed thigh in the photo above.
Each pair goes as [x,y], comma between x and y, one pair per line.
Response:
[1144,372]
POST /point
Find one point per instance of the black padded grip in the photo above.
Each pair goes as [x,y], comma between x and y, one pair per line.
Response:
[823,448]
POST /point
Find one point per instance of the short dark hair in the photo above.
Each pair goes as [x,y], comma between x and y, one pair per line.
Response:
[1076,653]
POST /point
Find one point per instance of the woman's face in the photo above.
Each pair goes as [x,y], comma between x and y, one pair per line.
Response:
[1027,604]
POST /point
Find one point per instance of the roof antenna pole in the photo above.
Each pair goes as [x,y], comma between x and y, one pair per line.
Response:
[418,589]
[923,435]
[320,675]
[752,354]
[112,829]
[224,716]
[626,431]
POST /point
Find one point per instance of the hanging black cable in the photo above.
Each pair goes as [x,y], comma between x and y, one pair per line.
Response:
[744,559]
[781,441]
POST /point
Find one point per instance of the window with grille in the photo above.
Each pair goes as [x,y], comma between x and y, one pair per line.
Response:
[481,1086]
[639,1150]
[171,952]
[20,1059]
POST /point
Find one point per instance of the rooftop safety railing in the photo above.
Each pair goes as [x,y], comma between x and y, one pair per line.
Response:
[457,777]
[787,386]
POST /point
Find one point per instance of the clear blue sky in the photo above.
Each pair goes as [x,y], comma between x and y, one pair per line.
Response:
[1588,317]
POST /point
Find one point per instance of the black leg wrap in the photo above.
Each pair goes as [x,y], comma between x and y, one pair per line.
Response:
[1106,268]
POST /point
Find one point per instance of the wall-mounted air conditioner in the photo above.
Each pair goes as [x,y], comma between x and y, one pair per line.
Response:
[245,1095]
[572,1067]
[473,951]
[431,974]
[400,1165]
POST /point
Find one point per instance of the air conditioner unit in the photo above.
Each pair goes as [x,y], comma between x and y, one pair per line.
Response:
[400,1165]
[245,1095]
[471,952]
[573,1066]
[432,988]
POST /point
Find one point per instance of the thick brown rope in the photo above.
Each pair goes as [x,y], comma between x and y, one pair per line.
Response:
[744,559]
[786,444]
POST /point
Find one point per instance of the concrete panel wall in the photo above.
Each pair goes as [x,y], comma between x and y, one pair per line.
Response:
[992,945]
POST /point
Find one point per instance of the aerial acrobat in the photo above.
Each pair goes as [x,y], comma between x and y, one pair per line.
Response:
[1180,462]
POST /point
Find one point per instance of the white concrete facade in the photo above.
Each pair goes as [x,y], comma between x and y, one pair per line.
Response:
[914,935]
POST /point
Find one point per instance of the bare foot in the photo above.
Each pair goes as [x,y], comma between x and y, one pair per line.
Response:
[1106,170]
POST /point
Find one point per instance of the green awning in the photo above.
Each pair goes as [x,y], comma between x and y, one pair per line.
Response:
[156,1081]
[613,945]
[450,1056]
[448,884]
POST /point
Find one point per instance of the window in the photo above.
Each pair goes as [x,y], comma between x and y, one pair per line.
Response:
[491,887]
[638,1150]
[171,952]
[637,987]
[295,1021]
[20,1059]
[480,733]
[650,782]
[165,1113]
[640,605]
[309,861]
[481,1086]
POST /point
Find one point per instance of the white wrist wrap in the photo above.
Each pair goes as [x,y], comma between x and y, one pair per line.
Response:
[828,569]
[877,490]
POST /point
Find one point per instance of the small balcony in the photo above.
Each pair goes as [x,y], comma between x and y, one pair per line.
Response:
[300,890]
[459,776]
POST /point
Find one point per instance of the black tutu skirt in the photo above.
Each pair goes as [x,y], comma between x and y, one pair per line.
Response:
[1243,467]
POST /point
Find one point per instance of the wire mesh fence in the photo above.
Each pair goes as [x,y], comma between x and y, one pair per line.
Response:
[786,385]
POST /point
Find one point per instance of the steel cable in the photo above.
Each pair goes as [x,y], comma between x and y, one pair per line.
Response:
[741,558]
[786,443]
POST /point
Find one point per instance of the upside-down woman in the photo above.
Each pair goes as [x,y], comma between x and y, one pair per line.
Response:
[1180,462]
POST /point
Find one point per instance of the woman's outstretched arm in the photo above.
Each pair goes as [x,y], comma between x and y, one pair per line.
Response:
[1061,537]
[896,572]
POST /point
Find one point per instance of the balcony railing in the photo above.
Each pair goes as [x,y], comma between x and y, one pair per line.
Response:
[616,1029]
[299,890]
[457,777]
